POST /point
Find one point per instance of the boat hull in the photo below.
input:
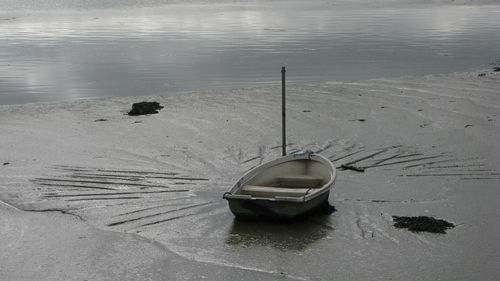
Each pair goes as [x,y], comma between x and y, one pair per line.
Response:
[276,210]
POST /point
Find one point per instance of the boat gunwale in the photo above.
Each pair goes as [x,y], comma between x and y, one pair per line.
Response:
[230,195]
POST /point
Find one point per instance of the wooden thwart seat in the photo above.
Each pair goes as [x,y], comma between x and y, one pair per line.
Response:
[268,191]
[300,181]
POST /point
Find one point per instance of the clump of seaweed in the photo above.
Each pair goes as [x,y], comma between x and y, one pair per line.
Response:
[145,108]
[422,223]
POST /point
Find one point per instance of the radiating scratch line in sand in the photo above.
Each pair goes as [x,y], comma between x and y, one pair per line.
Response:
[409,155]
[387,159]
[342,149]
[110,175]
[457,166]
[101,182]
[75,185]
[391,146]
[365,157]
[146,201]
[326,145]
[146,177]
[428,164]
[345,156]
[94,176]
[103,198]
[479,178]
[251,159]
[449,174]
[462,171]
[159,214]
[411,201]
[179,178]
[169,219]
[405,161]
[146,209]
[115,193]
[88,169]
[323,148]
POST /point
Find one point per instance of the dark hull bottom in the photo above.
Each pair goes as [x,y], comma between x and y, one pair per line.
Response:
[279,210]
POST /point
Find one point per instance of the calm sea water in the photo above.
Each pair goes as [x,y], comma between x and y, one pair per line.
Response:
[56,54]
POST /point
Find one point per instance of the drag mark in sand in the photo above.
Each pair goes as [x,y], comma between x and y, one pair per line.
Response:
[101,170]
[159,214]
[439,164]
[103,198]
[345,156]
[126,187]
[42,180]
[72,185]
[145,209]
[381,157]
[111,193]
[110,179]
[407,161]
[169,219]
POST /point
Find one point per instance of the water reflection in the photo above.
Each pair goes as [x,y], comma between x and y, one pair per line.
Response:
[286,236]
[65,55]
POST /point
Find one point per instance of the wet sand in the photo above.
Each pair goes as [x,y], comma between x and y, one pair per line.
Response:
[428,145]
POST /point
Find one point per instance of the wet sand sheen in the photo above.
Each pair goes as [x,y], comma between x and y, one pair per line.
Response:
[427,146]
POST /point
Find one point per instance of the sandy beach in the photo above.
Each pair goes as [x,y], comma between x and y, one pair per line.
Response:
[146,192]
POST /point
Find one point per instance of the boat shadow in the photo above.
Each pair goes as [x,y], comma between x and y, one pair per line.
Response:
[292,235]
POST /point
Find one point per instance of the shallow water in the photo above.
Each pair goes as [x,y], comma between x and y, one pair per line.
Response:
[68,54]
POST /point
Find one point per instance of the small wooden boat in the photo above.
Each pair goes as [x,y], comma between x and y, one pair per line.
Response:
[283,189]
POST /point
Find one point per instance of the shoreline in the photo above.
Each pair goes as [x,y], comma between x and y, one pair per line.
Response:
[249,86]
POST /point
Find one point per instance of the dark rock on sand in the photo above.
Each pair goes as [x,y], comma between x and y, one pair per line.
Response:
[100,120]
[422,223]
[144,108]
[496,68]
[6,163]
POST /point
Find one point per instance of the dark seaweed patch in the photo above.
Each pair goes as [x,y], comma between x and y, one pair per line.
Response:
[422,223]
[352,168]
[144,108]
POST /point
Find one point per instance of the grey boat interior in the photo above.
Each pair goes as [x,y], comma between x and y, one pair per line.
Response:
[296,178]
